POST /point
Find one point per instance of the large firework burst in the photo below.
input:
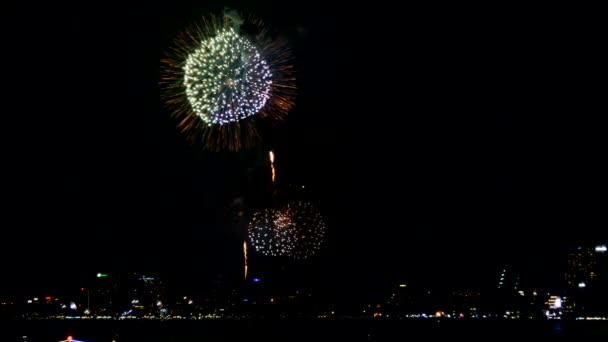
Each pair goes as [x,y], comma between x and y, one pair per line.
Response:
[221,76]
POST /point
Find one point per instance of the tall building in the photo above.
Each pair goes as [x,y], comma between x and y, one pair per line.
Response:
[102,294]
[582,266]
[585,281]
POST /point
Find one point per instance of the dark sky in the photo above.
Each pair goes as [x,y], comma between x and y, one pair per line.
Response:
[442,144]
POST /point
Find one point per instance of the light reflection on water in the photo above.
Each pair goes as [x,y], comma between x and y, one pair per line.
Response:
[297,330]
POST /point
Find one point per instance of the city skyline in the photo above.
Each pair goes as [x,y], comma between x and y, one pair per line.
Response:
[578,292]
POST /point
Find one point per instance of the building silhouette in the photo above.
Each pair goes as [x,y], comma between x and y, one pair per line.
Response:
[585,283]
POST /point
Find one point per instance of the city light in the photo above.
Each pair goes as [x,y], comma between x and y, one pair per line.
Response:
[71,339]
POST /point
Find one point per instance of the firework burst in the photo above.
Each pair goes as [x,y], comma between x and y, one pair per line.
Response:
[309,227]
[223,75]
[271,232]
[297,230]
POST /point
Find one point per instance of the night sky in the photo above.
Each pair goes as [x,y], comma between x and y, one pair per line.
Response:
[441,144]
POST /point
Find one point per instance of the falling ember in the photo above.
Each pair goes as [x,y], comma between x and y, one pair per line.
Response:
[245,256]
[271,154]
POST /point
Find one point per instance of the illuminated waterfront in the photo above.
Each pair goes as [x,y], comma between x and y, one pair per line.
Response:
[299,330]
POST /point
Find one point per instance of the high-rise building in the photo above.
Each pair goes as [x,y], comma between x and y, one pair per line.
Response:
[582,266]
[585,281]
[102,294]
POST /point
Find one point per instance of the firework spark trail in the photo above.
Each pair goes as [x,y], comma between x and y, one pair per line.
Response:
[245,257]
[271,155]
